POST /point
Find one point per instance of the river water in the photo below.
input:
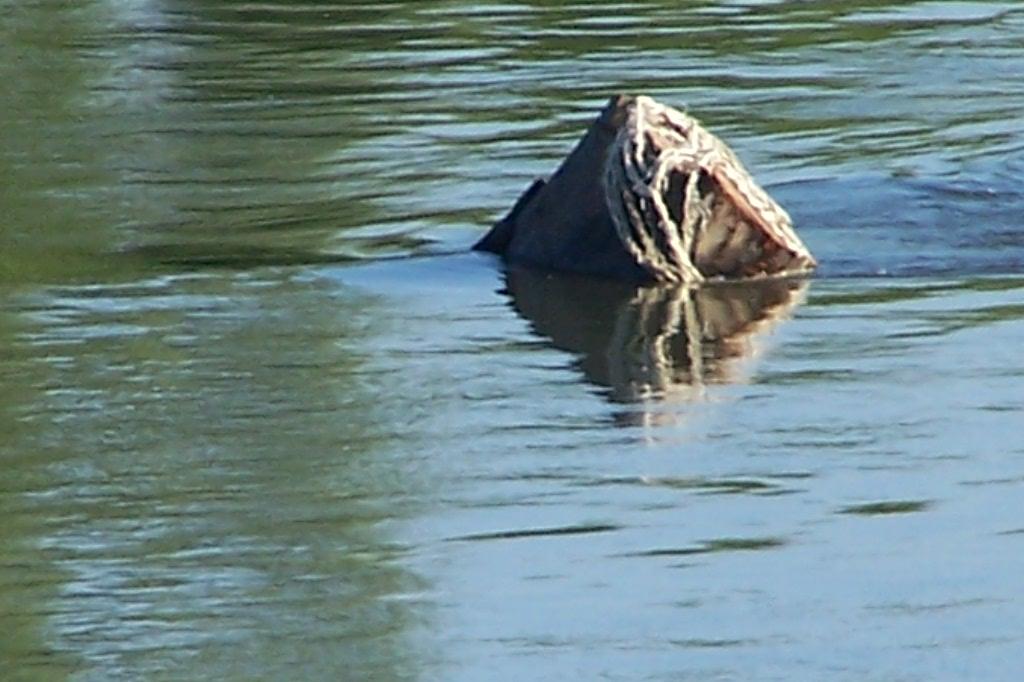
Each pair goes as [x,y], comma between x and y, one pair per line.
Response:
[262,415]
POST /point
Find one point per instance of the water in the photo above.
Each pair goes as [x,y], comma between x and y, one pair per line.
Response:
[264,417]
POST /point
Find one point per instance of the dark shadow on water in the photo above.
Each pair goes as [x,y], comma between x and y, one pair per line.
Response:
[653,344]
[887,507]
[713,546]
[540,532]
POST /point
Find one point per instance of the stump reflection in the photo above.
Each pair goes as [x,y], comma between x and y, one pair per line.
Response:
[654,343]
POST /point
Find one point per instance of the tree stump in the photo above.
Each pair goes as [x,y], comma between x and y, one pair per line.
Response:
[649,195]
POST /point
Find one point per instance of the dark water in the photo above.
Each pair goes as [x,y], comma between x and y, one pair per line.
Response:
[263,417]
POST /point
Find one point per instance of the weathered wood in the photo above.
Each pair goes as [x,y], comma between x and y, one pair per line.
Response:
[563,223]
[649,195]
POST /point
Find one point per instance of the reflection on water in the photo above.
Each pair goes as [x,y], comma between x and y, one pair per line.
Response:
[236,444]
[653,343]
[233,133]
[180,500]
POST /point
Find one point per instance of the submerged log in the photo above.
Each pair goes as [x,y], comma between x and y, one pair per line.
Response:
[649,195]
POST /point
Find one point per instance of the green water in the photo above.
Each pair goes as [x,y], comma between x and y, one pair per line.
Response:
[262,415]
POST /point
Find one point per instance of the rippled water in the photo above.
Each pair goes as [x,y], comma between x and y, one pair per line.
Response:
[264,417]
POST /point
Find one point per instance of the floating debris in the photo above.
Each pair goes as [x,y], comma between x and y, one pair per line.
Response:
[650,195]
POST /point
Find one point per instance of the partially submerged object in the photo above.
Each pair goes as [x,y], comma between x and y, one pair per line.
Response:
[649,195]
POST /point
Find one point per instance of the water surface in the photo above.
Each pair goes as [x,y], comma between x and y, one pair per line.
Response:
[264,417]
